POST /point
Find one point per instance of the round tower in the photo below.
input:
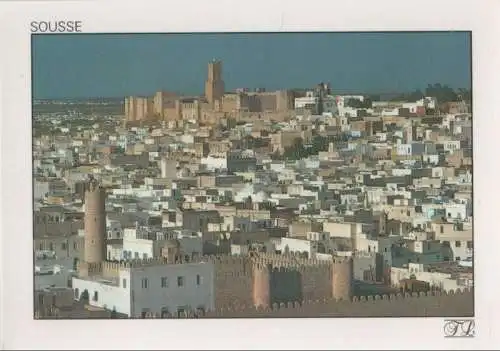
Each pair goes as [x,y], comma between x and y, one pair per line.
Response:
[342,279]
[95,223]
[261,285]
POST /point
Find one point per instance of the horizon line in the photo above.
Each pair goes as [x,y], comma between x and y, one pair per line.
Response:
[334,91]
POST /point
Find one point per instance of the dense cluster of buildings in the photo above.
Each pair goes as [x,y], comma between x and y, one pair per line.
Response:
[245,200]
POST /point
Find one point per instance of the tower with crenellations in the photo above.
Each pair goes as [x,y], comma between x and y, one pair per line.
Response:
[214,86]
[95,223]
[261,289]
[342,278]
[284,279]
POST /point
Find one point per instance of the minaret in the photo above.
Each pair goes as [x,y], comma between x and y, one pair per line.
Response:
[95,223]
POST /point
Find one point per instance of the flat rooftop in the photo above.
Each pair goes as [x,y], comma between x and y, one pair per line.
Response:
[448,268]
[99,278]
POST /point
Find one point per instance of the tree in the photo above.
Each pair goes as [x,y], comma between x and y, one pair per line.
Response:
[415,96]
[357,103]
[296,151]
[442,93]
[319,143]
[409,97]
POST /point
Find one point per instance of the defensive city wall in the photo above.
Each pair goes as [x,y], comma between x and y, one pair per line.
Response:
[452,304]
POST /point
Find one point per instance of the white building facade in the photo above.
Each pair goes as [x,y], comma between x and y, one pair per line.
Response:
[159,289]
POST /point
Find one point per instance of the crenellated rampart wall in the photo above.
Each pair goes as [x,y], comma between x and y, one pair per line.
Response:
[458,303]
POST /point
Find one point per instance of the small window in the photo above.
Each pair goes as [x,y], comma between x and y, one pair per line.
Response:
[74,245]
[96,296]
[458,244]
[441,229]
[136,255]
[144,256]
[144,283]
[51,246]
[385,249]
[77,293]
[63,246]
[198,279]
[458,258]
[469,244]
[164,282]
[124,283]
[180,281]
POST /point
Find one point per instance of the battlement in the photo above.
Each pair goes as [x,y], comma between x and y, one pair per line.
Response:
[295,260]
[112,268]
[459,303]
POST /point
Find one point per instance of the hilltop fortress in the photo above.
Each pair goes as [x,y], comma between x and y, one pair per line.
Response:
[214,105]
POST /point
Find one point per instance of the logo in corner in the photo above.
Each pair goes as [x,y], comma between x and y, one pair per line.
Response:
[459,328]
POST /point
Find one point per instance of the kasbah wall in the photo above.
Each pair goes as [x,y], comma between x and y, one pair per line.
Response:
[266,278]
[272,285]
[432,304]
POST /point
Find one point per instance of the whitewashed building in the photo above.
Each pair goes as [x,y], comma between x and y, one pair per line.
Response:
[156,288]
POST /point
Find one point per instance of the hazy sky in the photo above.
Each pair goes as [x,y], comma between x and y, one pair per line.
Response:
[113,65]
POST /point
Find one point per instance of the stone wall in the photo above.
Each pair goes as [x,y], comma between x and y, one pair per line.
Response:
[432,304]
